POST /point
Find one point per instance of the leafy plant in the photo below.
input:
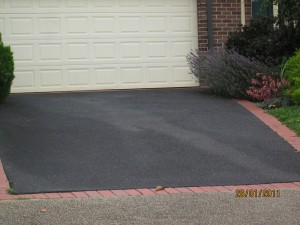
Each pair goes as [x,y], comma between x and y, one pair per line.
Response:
[6,71]
[269,91]
[11,191]
[292,72]
[266,87]
[266,39]
[226,72]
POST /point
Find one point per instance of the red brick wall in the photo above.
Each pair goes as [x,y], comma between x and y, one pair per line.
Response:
[226,17]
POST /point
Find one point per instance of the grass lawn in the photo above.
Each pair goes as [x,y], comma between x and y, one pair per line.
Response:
[289,115]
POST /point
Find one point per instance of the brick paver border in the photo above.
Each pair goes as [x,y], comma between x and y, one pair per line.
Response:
[269,120]
[146,191]
[279,128]
[4,185]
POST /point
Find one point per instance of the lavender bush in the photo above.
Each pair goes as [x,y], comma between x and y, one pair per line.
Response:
[227,73]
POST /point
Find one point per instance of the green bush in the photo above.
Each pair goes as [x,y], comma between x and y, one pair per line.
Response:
[227,73]
[292,72]
[266,40]
[6,71]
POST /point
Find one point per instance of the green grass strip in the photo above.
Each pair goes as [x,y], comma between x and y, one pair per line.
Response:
[289,115]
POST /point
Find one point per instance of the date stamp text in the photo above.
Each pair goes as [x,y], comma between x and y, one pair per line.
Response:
[257,193]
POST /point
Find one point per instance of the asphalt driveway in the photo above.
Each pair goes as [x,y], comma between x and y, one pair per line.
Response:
[137,139]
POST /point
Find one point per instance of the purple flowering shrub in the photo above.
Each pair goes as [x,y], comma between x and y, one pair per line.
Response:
[226,72]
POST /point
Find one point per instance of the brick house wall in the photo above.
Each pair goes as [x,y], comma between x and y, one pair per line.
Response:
[226,18]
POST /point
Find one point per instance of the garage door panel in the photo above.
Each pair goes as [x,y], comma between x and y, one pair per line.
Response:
[157,50]
[106,77]
[99,44]
[104,25]
[182,24]
[25,79]
[130,24]
[49,25]
[104,3]
[76,3]
[181,4]
[77,25]
[79,77]
[50,52]
[23,52]
[21,26]
[156,24]
[74,77]
[157,75]
[46,4]
[129,3]
[21,3]
[78,51]
[131,50]
[130,76]
[181,75]
[63,6]
[180,48]
[37,52]
[105,51]
[51,78]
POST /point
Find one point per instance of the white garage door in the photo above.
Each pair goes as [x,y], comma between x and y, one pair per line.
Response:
[64,45]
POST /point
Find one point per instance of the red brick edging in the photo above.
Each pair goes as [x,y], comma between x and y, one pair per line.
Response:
[146,191]
[134,192]
[279,128]
[4,185]
[269,120]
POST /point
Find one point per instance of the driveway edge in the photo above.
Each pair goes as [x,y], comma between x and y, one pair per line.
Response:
[278,127]
[4,185]
[275,187]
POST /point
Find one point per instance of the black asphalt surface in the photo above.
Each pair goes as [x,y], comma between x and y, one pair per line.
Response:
[137,139]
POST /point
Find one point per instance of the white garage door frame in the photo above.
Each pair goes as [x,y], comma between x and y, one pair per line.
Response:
[67,45]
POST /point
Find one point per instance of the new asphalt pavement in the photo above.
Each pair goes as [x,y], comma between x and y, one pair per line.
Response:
[137,139]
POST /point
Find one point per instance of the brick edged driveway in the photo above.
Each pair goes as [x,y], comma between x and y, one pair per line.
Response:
[137,139]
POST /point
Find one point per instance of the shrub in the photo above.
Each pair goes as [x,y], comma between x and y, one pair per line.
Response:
[6,71]
[266,40]
[266,87]
[292,72]
[269,90]
[227,73]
